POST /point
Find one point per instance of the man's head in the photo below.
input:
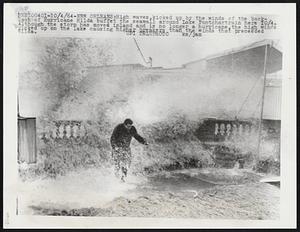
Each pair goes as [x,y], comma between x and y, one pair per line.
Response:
[128,123]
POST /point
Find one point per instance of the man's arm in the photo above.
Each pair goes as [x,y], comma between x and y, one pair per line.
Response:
[137,136]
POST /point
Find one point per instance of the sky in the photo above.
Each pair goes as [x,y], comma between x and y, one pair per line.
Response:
[167,52]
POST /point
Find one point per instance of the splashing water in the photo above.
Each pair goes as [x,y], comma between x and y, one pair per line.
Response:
[85,188]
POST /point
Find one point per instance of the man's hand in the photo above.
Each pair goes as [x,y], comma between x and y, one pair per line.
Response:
[115,148]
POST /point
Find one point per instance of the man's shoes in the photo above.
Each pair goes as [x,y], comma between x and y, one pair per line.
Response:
[117,174]
[124,170]
[123,179]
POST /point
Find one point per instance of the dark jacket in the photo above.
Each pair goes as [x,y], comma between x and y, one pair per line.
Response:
[121,137]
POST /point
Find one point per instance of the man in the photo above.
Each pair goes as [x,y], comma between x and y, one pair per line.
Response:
[120,143]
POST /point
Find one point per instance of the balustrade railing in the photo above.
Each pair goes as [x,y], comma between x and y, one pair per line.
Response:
[234,129]
[220,130]
[64,130]
[70,129]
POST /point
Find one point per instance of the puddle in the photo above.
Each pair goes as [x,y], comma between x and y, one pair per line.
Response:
[175,181]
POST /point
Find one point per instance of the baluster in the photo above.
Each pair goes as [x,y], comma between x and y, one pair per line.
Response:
[61,130]
[82,131]
[79,131]
[216,129]
[228,129]
[65,131]
[222,129]
[68,131]
[240,129]
[234,129]
[71,129]
[75,131]
[54,133]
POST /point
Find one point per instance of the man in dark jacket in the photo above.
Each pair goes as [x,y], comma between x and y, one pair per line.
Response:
[120,143]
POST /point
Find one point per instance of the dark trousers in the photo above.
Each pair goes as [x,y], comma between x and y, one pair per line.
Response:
[122,160]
